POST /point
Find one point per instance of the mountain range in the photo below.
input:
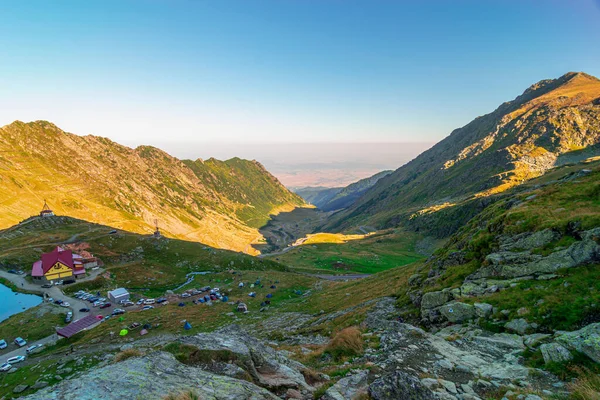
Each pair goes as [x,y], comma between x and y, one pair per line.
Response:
[219,203]
[331,199]
[553,122]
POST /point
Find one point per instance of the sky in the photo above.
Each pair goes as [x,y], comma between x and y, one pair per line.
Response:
[194,75]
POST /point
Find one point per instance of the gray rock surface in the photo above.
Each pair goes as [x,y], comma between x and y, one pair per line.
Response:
[399,385]
[518,325]
[586,341]
[151,377]
[483,310]
[348,387]
[457,312]
[434,299]
[554,352]
[267,367]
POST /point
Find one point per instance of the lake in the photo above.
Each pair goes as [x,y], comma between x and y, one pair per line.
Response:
[14,303]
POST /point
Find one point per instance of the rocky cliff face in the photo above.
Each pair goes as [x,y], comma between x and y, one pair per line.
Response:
[220,203]
[518,141]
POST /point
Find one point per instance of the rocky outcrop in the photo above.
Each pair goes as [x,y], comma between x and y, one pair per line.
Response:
[510,264]
[399,385]
[586,341]
[266,367]
[349,387]
[554,352]
[151,377]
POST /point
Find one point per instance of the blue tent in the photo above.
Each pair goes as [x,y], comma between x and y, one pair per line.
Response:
[187,326]
[201,300]
[269,296]
[273,286]
[181,304]
[225,299]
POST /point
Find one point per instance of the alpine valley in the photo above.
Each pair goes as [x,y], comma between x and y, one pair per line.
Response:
[470,273]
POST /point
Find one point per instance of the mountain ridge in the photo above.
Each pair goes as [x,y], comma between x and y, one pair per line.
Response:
[220,203]
[517,141]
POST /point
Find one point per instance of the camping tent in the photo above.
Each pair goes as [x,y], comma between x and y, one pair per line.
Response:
[123,332]
[187,326]
[143,332]
[269,296]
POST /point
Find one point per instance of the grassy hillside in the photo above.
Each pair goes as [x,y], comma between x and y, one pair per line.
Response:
[220,203]
[326,253]
[564,204]
[518,141]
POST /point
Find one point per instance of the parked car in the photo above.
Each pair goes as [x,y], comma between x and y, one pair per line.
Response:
[46,286]
[50,300]
[58,282]
[12,271]
[105,305]
[5,367]
[65,304]
[3,344]
[140,301]
[147,308]
[161,300]
[185,295]
[20,342]
[68,319]
[128,303]
[15,359]
[112,232]
[68,281]
[84,310]
[33,348]
[102,299]
[118,311]
[149,301]
[106,318]
[19,272]
[59,302]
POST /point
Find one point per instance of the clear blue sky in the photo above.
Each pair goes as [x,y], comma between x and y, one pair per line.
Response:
[161,71]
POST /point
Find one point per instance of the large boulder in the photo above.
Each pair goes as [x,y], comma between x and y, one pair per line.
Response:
[483,310]
[519,326]
[586,341]
[266,367]
[528,240]
[457,312]
[434,299]
[153,376]
[399,385]
[349,387]
[554,352]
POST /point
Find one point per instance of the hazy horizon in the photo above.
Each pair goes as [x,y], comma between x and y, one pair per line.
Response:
[307,164]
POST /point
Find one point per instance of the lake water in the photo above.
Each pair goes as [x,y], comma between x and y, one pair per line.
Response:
[12,303]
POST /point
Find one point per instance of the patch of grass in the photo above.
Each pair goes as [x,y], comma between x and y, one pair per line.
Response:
[367,255]
[346,343]
[586,386]
[127,354]
[568,302]
[32,324]
[185,395]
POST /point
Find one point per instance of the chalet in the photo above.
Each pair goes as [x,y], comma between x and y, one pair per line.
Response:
[57,265]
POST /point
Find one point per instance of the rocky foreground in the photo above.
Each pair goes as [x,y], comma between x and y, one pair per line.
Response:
[459,362]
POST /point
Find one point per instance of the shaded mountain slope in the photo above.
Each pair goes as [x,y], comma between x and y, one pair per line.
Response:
[331,199]
[220,203]
[520,140]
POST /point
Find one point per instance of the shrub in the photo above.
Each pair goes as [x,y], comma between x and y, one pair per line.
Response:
[346,343]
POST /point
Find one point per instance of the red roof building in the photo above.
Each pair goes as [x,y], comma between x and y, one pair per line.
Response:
[58,264]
